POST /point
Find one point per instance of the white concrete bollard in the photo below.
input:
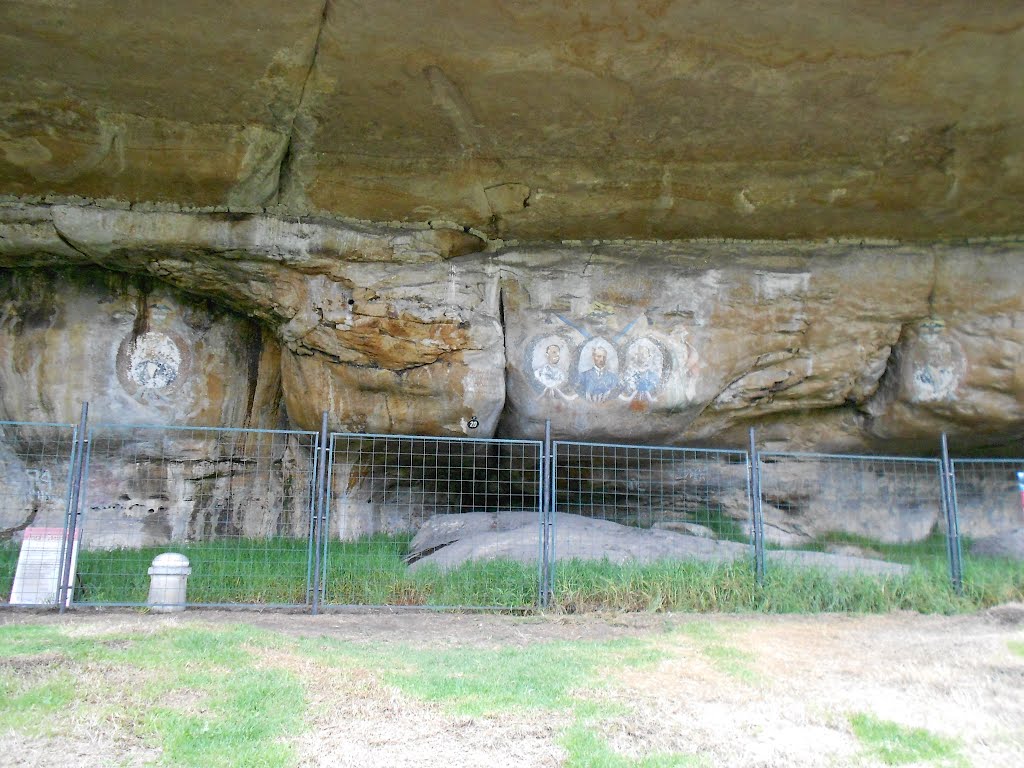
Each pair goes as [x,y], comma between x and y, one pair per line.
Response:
[168,577]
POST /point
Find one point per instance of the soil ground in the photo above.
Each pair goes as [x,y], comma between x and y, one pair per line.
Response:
[744,691]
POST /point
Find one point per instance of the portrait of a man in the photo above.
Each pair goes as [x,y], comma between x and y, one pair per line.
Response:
[600,379]
[644,371]
[550,371]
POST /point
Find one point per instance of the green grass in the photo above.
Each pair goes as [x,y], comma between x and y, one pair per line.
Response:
[23,705]
[556,676]
[991,581]
[923,552]
[210,696]
[8,563]
[371,571]
[205,697]
[894,744]
[731,587]
[483,681]
[724,657]
[195,694]
[226,571]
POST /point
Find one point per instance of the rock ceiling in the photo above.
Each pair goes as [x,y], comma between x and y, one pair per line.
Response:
[529,119]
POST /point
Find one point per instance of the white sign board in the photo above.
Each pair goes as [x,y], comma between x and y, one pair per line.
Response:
[37,578]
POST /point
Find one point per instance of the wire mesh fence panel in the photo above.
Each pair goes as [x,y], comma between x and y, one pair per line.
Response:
[990,510]
[237,503]
[872,515]
[618,505]
[35,470]
[432,521]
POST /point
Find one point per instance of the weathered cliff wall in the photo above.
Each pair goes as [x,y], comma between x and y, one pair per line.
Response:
[253,321]
[173,182]
[822,345]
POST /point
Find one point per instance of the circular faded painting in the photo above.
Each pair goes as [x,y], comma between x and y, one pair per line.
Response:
[151,362]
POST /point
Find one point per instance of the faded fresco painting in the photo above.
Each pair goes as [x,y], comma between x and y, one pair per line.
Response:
[936,363]
[599,370]
[153,364]
[550,365]
[645,364]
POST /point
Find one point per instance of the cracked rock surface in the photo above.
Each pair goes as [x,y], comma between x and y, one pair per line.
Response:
[401,330]
[530,120]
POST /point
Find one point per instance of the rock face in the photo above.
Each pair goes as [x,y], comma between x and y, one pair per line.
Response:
[828,347]
[545,169]
[1009,545]
[362,314]
[154,487]
[140,353]
[821,346]
[137,351]
[530,119]
[834,347]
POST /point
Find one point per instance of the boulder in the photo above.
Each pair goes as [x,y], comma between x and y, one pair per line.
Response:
[1009,545]
[448,543]
[682,526]
[137,350]
[441,531]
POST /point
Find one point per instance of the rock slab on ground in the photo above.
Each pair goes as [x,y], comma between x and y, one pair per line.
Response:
[448,541]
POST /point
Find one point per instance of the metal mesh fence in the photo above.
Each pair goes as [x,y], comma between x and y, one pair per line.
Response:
[854,514]
[237,503]
[467,522]
[990,511]
[35,467]
[432,521]
[619,504]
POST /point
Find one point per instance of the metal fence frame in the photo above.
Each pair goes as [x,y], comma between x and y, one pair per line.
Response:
[960,472]
[657,458]
[81,522]
[322,450]
[409,441]
[863,463]
[64,555]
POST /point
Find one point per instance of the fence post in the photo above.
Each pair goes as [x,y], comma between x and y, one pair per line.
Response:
[756,514]
[71,520]
[546,522]
[323,455]
[949,503]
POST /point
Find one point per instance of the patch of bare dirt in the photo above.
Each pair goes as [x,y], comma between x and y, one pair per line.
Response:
[742,691]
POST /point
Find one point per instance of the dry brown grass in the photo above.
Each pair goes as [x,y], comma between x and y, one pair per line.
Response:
[749,692]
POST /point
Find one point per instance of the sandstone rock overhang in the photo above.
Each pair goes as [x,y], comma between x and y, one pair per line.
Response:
[528,119]
[827,346]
